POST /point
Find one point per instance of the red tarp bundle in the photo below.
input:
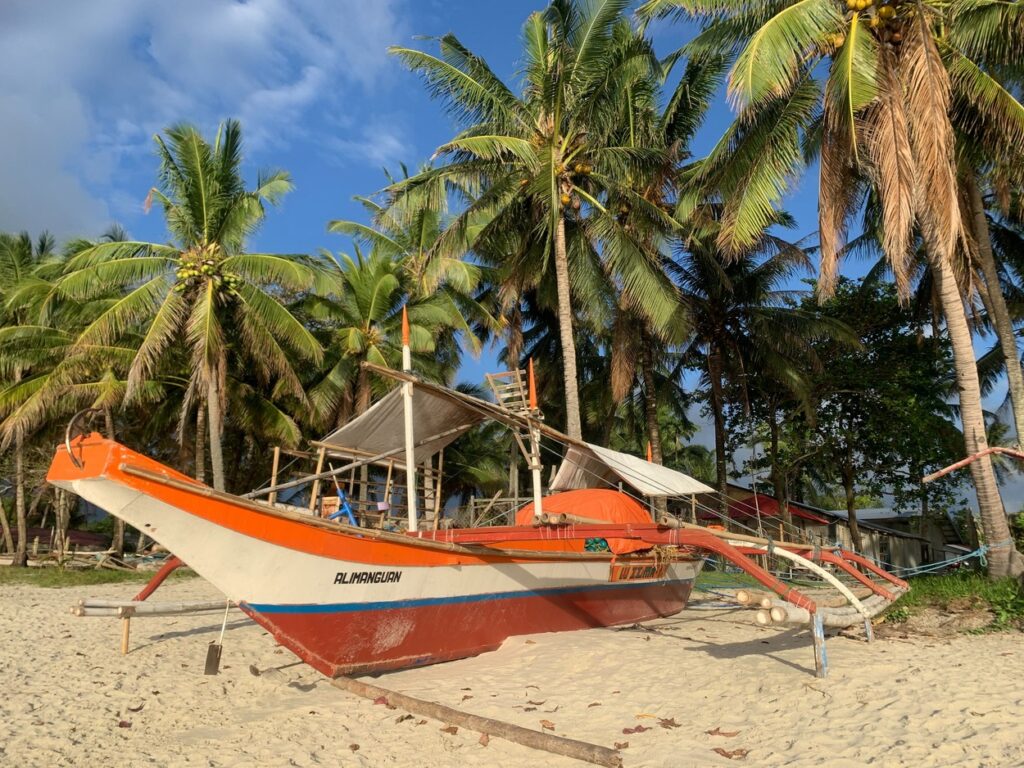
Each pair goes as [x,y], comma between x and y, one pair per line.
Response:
[595,504]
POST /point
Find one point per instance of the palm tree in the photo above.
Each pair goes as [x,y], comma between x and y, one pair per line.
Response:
[20,258]
[203,289]
[363,324]
[544,162]
[636,341]
[742,322]
[893,73]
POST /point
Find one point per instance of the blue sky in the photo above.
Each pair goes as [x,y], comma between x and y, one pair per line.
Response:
[86,86]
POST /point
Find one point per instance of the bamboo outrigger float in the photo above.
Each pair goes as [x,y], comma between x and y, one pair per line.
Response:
[350,599]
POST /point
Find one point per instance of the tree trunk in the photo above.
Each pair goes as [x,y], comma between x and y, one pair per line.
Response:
[851,505]
[573,424]
[650,400]
[200,469]
[117,541]
[514,336]
[215,426]
[778,476]
[8,539]
[1003,560]
[660,503]
[21,551]
[718,415]
[997,304]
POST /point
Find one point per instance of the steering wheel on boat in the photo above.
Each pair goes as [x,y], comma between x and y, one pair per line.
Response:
[69,433]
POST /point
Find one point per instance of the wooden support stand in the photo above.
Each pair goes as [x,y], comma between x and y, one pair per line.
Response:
[126,632]
[820,656]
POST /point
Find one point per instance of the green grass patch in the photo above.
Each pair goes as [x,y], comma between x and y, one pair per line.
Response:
[964,590]
[709,579]
[55,576]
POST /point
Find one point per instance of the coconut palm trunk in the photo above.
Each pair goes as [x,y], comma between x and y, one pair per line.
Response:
[8,539]
[117,541]
[997,302]
[718,416]
[21,551]
[565,326]
[200,470]
[1003,559]
[650,400]
[215,423]
[778,476]
[851,500]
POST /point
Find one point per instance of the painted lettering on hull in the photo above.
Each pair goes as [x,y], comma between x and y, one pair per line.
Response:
[639,570]
[367,577]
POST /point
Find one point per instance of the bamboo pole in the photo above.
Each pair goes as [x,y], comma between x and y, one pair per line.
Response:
[410,439]
[545,742]
[437,492]
[316,483]
[971,458]
[387,483]
[272,498]
[130,609]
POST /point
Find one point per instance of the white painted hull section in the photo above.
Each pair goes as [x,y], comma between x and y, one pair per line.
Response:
[248,569]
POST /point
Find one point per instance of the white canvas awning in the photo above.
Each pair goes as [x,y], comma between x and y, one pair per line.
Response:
[597,467]
[437,422]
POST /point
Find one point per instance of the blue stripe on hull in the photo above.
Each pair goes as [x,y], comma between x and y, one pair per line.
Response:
[426,601]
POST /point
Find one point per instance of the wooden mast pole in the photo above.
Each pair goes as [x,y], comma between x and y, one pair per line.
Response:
[273,474]
[535,465]
[410,441]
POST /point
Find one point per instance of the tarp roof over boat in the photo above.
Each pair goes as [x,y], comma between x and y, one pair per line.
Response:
[437,421]
[592,466]
[441,415]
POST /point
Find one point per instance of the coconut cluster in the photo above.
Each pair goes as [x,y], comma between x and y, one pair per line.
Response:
[881,16]
[198,267]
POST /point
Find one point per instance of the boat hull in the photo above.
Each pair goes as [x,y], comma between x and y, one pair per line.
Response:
[360,639]
[347,600]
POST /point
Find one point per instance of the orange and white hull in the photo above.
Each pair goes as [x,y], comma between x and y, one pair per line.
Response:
[349,600]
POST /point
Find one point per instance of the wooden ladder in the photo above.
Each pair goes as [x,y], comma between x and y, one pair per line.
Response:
[510,390]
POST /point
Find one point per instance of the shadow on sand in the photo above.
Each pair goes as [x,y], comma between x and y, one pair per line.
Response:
[207,629]
[786,640]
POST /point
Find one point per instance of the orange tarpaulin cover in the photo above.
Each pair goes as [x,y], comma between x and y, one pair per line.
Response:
[596,504]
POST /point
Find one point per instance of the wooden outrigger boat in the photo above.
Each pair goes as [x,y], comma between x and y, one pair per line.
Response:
[350,599]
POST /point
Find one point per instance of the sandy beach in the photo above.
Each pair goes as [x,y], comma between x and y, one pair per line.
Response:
[705,680]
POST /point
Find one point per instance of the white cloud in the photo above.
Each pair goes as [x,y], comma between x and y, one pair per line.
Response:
[376,143]
[86,85]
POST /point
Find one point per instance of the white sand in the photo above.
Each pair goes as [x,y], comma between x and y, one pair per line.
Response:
[64,688]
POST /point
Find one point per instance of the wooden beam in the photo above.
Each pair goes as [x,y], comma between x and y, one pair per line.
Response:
[527,737]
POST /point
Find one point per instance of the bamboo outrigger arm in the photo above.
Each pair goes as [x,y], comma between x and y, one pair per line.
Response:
[818,571]
[972,458]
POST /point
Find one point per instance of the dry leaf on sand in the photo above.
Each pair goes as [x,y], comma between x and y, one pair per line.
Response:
[635,729]
[719,732]
[736,754]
